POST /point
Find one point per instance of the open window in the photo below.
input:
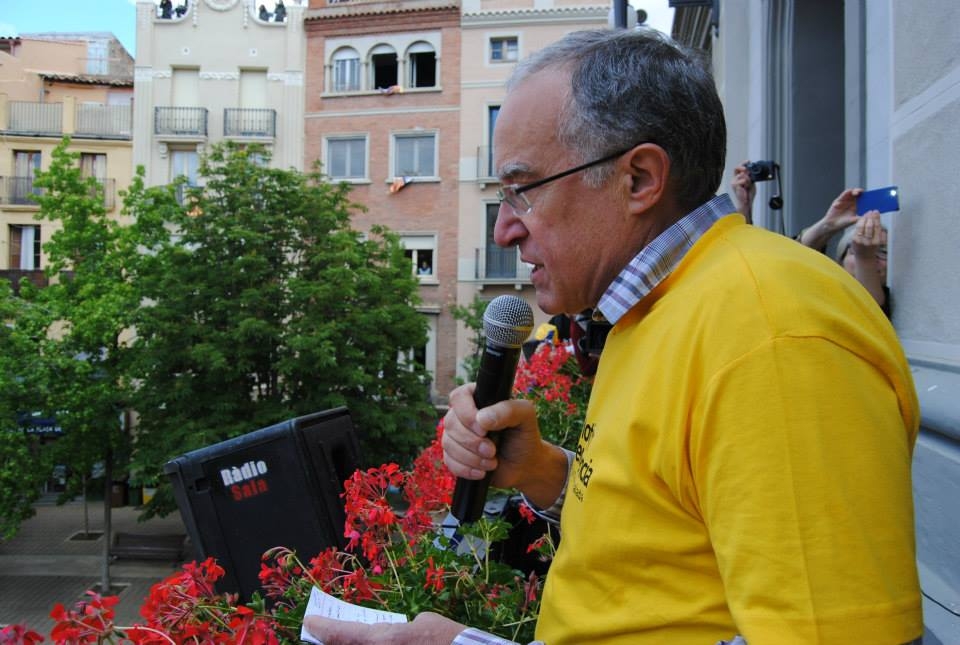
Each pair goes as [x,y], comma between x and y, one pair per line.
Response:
[421,250]
[24,247]
[422,64]
[383,67]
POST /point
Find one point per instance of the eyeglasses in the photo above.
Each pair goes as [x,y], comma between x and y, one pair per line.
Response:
[513,195]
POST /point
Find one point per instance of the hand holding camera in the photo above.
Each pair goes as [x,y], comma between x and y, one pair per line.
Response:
[746,175]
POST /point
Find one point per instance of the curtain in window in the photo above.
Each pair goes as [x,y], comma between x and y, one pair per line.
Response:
[346,158]
[414,156]
[346,71]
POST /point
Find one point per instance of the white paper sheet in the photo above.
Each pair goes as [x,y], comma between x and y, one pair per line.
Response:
[323,604]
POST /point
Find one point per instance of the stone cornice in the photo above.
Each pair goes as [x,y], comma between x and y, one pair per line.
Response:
[520,16]
[349,9]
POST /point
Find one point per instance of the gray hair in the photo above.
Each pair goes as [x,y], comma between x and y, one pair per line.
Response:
[633,86]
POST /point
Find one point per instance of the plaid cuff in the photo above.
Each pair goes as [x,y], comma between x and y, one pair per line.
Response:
[552,514]
[471,636]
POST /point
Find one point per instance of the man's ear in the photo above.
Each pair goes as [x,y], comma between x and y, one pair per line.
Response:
[649,171]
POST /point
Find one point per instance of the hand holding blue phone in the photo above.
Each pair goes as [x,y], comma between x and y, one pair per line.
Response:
[885,200]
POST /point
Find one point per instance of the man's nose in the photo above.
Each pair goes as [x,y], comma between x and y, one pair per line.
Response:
[508,229]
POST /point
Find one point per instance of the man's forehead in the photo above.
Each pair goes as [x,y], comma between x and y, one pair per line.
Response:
[525,134]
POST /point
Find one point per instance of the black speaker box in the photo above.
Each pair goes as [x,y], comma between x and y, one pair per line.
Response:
[276,486]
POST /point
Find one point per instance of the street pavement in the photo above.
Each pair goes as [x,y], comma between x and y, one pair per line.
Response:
[42,566]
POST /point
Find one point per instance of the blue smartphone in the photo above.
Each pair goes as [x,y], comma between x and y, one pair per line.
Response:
[879,199]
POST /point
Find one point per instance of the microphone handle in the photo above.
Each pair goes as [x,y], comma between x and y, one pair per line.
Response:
[498,366]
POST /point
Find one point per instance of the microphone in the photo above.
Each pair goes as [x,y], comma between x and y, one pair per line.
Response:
[507,322]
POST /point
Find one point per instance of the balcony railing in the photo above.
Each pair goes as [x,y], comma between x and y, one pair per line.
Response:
[38,278]
[496,264]
[184,121]
[32,118]
[249,122]
[104,121]
[485,169]
[18,191]
[182,192]
[47,119]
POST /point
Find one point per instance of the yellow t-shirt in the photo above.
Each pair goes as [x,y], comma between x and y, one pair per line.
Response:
[745,463]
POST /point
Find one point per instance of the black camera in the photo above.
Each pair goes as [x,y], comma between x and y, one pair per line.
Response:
[766,171]
[761,170]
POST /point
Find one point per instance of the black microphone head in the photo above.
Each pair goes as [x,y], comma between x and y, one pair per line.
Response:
[507,321]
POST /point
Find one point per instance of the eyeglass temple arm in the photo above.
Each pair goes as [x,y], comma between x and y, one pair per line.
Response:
[561,175]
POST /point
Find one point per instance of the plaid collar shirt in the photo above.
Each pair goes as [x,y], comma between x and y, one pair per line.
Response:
[659,258]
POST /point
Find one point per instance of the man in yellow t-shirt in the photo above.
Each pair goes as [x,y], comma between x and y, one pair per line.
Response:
[744,468]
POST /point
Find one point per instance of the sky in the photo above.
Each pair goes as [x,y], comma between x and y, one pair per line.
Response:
[120,17]
[34,16]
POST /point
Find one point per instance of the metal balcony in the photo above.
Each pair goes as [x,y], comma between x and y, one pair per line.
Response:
[18,191]
[38,278]
[35,119]
[485,171]
[249,122]
[104,121]
[180,121]
[496,264]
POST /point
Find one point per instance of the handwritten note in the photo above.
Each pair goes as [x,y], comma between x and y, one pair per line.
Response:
[323,604]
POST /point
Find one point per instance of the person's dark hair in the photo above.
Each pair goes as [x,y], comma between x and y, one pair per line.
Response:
[638,85]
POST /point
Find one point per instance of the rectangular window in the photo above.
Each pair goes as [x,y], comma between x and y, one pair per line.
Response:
[186,87]
[93,164]
[415,155]
[384,66]
[253,89]
[183,163]
[503,49]
[423,69]
[421,249]
[347,158]
[500,262]
[98,57]
[26,163]
[493,112]
[25,247]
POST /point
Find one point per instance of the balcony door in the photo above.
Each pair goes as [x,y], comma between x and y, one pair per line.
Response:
[500,262]
[26,163]
[253,89]
[24,248]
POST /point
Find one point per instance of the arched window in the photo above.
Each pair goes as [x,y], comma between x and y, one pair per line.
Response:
[422,65]
[346,70]
[383,66]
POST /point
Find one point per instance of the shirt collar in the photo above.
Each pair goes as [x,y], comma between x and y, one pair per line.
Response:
[658,259]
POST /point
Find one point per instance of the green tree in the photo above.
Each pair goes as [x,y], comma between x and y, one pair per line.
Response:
[472,318]
[88,307]
[23,465]
[263,304]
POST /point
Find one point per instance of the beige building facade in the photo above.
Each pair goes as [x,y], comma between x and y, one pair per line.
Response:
[51,86]
[215,70]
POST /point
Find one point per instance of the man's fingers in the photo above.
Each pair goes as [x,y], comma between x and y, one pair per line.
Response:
[468,461]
